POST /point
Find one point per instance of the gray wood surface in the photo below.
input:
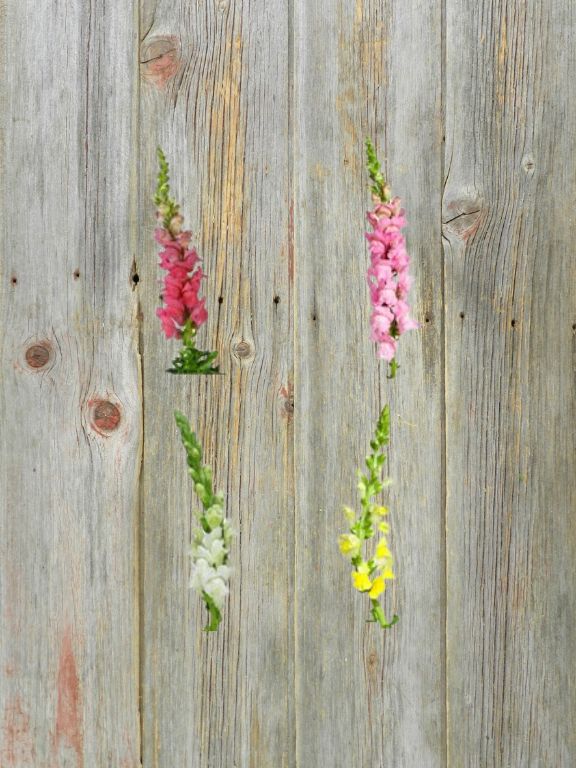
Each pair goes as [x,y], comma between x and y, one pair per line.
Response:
[70,403]
[510,397]
[363,696]
[222,119]
[262,107]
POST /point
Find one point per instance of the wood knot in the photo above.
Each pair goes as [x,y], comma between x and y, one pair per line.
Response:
[105,416]
[372,662]
[160,59]
[38,355]
[462,217]
[243,350]
[287,395]
[528,165]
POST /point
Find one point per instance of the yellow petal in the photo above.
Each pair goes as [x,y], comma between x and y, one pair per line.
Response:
[384,527]
[349,544]
[378,586]
[388,573]
[361,581]
[382,550]
[349,514]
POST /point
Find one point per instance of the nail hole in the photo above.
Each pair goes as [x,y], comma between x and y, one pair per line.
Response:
[574,326]
[314,318]
[276,299]
[220,299]
[462,315]
[513,323]
[14,280]
[136,278]
[76,274]
[426,319]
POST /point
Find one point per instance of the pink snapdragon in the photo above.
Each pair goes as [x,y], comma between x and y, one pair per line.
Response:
[181,301]
[388,278]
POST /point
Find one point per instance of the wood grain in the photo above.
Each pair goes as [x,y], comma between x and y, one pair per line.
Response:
[364,696]
[510,396]
[217,102]
[70,402]
[262,108]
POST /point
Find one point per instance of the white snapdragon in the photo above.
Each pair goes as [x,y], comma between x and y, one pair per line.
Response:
[211,541]
[209,553]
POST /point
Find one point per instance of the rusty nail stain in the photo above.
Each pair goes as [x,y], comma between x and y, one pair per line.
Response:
[105,415]
[38,355]
[289,406]
[242,349]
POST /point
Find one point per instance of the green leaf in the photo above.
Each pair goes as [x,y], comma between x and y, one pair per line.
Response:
[379,616]
[214,613]
[162,198]
[393,368]
[194,361]
[375,172]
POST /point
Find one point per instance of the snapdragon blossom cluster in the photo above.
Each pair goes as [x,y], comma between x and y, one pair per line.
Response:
[183,311]
[182,304]
[211,539]
[388,277]
[389,283]
[370,574]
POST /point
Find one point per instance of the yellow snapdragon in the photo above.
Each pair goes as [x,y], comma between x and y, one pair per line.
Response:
[370,576]
[350,545]
[361,581]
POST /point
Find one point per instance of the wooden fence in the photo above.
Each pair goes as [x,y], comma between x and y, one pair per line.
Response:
[262,107]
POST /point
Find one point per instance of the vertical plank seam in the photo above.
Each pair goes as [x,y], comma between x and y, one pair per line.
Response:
[139,533]
[292,286]
[443,431]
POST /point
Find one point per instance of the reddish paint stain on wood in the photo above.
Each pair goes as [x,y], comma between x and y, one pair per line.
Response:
[69,706]
[17,747]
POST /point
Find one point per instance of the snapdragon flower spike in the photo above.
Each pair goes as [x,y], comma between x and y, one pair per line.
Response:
[388,277]
[182,311]
[211,539]
[371,574]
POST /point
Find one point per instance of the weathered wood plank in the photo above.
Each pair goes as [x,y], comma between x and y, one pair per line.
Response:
[215,96]
[511,453]
[364,696]
[70,403]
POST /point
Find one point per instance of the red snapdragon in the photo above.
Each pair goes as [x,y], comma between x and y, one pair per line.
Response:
[181,300]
